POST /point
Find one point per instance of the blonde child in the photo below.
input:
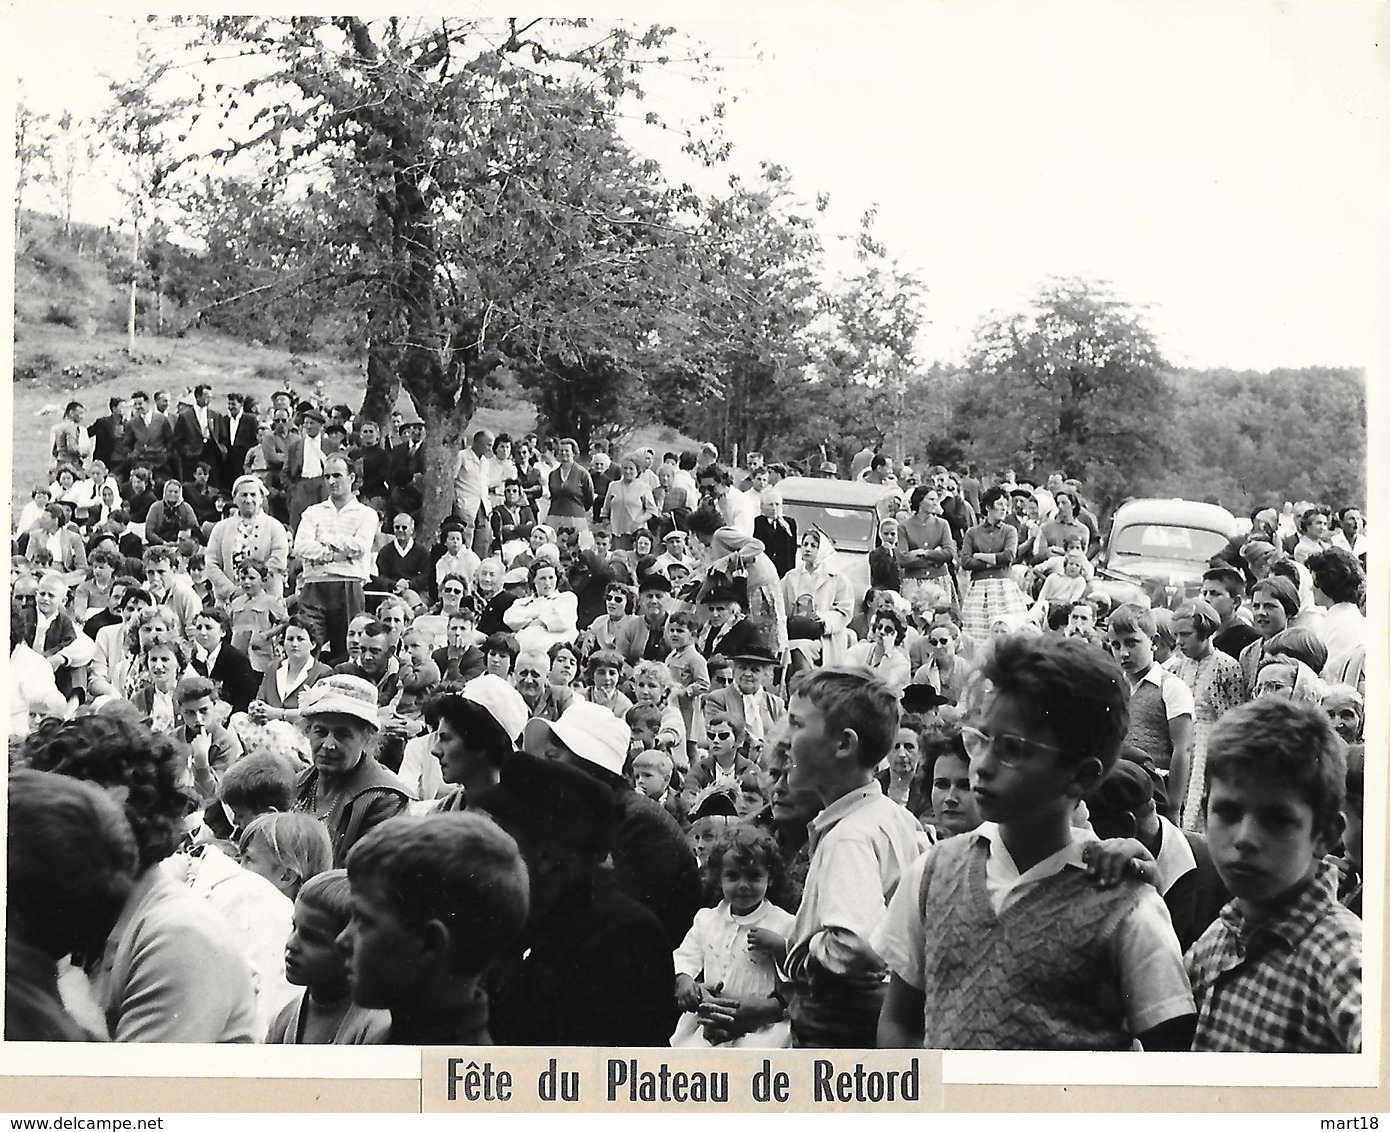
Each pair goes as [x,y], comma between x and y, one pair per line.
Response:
[287,849]
[726,977]
[323,1013]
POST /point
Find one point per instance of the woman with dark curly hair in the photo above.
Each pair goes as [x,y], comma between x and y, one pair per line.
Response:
[170,970]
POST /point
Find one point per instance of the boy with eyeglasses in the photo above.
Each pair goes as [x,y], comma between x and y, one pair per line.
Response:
[997,938]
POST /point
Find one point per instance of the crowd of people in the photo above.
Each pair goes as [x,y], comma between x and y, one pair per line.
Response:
[625,758]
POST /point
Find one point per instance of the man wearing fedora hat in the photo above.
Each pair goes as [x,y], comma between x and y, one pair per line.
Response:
[592,967]
[747,702]
[345,788]
[651,861]
[644,637]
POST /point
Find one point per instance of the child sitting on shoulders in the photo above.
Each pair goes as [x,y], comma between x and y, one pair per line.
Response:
[1279,971]
[726,968]
[435,901]
[323,1013]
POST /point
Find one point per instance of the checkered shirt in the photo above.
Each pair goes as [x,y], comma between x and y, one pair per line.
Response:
[1291,984]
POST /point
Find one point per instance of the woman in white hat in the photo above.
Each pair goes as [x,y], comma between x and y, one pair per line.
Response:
[346,788]
[477,729]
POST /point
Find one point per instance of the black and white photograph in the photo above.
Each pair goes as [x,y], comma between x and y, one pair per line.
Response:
[834,529]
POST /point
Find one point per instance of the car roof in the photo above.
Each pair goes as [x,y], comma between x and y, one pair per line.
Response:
[1177,513]
[832,493]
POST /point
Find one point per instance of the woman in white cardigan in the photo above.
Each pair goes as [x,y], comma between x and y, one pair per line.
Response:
[547,616]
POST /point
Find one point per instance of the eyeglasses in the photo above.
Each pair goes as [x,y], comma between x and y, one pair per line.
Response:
[1008,750]
[452,590]
[720,736]
[939,640]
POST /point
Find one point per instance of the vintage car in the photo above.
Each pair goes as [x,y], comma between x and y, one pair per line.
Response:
[1160,548]
[848,511]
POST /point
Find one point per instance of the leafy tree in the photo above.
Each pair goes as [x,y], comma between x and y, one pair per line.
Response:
[1074,382]
[486,213]
[32,145]
[141,124]
[1252,438]
[758,300]
[871,361]
[72,152]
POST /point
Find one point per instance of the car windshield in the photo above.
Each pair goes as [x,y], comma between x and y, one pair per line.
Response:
[851,528]
[1179,544]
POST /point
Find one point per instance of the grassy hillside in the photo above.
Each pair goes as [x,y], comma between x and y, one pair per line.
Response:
[70,345]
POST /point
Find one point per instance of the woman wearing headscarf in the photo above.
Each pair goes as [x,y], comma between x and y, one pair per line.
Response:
[815,588]
[987,554]
[734,554]
[249,533]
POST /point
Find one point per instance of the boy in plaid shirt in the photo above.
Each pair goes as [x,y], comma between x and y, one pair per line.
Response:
[1279,971]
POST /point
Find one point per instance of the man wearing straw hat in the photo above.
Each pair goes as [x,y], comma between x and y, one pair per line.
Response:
[249,533]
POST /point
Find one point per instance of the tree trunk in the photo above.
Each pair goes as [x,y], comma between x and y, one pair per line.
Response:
[134,282]
[383,382]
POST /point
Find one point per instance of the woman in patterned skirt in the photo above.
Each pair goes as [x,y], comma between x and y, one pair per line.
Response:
[986,555]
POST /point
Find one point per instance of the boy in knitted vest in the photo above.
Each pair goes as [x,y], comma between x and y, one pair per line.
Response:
[997,938]
[1161,707]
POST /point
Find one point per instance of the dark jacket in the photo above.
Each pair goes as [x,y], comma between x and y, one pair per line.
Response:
[1196,898]
[779,542]
[459,669]
[595,969]
[652,861]
[237,681]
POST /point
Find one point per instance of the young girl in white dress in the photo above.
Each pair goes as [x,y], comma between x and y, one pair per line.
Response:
[726,975]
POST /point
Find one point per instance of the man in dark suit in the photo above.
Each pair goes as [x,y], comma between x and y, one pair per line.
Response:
[149,437]
[776,532]
[109,434]
[195,436]
[220,661]
[237,432]
[408,469]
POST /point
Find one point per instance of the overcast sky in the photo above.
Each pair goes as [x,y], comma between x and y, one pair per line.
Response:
[1226,165]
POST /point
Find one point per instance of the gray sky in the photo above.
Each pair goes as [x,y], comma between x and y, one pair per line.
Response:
[1223,164]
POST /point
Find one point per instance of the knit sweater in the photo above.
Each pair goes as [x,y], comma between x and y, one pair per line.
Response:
[1148,723]
[1039,976]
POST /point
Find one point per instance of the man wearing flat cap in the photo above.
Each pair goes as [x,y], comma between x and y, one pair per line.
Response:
[592,967]
[303,471]
[1124,804]
[408,468]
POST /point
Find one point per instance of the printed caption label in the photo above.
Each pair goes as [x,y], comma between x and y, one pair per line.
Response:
[588,1080]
